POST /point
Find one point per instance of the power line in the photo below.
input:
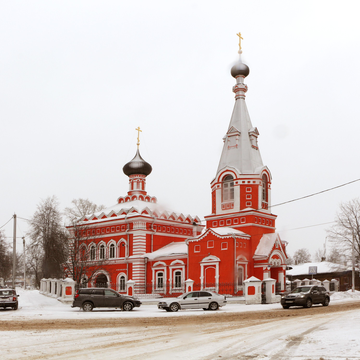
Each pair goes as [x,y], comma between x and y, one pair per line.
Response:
[309,226]
[6,223]
[317,193]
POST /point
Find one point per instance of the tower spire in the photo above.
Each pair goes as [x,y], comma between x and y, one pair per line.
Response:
[240,149]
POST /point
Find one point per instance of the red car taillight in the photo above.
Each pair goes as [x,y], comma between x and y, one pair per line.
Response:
[14,298]
[77,294]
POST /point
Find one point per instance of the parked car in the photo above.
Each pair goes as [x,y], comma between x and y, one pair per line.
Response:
[206,300]
[8,298]
[89,298]
[306,296]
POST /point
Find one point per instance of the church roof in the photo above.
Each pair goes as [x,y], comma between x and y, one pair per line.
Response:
[137,166]
[174,249]
[240,149]
[137,207]
[220,232]
[266,245]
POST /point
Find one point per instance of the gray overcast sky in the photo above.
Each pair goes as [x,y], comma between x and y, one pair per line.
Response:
[77,78]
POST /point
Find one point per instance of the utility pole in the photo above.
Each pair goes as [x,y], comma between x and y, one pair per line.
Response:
[24,263]
[14,253]
[353,264]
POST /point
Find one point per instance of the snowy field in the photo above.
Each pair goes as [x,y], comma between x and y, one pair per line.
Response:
[311,336]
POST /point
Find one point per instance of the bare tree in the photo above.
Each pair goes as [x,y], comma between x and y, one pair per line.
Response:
[335,256]
[320,255]
[47,234]
[5,258]
[289,260]
[34,259]
[79,264]
[302,256]
[346,232]
[80,208]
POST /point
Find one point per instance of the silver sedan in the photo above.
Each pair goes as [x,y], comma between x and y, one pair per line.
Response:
[206,300]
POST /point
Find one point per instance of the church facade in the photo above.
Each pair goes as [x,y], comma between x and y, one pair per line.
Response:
[159,250]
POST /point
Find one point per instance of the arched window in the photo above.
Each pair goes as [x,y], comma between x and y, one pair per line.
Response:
[122,283]
[92,252]
[177,279]
[240,276]
[102,252]
[112,251]
[264,192]
[228,188]
[159,280]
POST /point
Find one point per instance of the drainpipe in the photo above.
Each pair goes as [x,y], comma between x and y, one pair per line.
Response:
[187,266]
[127,247]
[146,261]
[233,235]
[152,234]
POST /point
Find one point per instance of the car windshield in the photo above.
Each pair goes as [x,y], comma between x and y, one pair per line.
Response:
[302,289]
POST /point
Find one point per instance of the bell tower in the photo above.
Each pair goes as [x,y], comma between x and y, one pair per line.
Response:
[241,189]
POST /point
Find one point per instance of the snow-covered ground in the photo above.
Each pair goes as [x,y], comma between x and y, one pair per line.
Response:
[324,336]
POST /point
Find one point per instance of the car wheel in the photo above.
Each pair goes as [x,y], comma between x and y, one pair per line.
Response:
[213,306]
[326,301]
[174,307]
[128,306]
[167,309]
[308,303]
[87,306]
[15,307]
[285,306]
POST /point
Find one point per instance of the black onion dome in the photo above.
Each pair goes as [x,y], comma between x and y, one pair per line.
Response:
[240,69]
[137,166]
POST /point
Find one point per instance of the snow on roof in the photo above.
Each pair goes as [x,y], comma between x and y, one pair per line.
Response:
[137,204]
[173,249]
[138,207]
[322,267]
[266,244]
[223,231]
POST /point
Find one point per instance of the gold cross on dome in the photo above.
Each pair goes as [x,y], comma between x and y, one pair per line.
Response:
[138,138]
[240,38]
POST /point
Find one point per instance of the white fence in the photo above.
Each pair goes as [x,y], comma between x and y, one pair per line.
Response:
[61,289]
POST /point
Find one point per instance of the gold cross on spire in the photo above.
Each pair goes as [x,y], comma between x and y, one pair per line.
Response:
[138,138]
[240,38]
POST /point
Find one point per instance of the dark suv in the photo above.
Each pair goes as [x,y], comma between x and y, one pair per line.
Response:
[306,296]
[89,298]
[8,298]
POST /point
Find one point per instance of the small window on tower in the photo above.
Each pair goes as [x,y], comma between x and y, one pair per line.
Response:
[228,188]
[264,192]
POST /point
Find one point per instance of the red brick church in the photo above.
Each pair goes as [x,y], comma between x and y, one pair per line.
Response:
[158,250]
